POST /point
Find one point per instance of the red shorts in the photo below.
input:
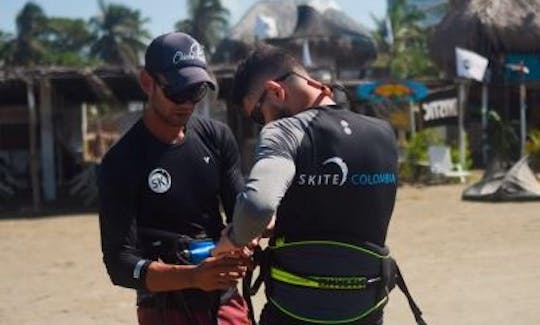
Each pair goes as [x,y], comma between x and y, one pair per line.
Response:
[233,312]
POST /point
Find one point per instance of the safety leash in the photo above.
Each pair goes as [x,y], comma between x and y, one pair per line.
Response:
[259,259]
[414,307]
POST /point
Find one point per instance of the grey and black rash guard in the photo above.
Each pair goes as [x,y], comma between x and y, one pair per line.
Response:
[176,188]
[326,173]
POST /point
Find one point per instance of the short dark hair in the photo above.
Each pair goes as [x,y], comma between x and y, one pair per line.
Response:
[265,62]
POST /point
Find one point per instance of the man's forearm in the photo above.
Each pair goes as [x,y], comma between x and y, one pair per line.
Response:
[168,277]
[268,181]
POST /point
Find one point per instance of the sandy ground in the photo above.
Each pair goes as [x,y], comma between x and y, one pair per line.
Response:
[465,263]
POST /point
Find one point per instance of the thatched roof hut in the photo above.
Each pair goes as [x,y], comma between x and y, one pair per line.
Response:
[334,39]
[330,32]
[487,27]
[242,37]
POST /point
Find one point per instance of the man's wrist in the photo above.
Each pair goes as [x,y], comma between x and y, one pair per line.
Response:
[230,238]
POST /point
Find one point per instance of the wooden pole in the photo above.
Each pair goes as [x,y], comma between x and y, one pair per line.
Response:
[412,120]
[484,123]
[47,140]
[461,119]
[34,161]
[523,115]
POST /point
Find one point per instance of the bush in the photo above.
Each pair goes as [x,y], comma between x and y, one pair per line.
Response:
[416,154]
[533,148]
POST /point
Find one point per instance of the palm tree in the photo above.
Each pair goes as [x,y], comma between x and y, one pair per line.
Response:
[68,40]
[208,22]
[4,39]
[407,55]
[120,34]
[26,48]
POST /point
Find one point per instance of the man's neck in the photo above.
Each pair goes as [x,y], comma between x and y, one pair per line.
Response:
[163,131]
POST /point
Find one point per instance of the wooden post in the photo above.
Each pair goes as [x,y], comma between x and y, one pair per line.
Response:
[522,115]
[412,119]
[34,163]
[484,123]
[462,99]
[47,140]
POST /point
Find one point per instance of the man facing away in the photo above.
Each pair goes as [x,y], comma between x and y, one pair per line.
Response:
[329,176]
[160,190]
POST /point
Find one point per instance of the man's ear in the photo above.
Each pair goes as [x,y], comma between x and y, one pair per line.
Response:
[147,82]
[275,89]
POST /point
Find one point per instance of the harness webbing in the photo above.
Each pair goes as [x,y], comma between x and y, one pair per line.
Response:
[379,304]
[321,282]
[390,276]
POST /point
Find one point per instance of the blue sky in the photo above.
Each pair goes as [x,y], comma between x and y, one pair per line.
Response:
[164,13]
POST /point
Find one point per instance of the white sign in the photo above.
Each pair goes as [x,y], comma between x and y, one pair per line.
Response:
[440,109]
[470,65]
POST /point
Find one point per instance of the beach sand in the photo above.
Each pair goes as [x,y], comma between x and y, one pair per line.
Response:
[464,263]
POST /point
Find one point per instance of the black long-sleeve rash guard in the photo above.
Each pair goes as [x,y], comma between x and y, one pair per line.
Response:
[177,188]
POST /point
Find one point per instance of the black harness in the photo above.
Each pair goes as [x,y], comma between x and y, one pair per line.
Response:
[349,291]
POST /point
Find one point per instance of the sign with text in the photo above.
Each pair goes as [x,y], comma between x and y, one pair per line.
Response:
[439,109]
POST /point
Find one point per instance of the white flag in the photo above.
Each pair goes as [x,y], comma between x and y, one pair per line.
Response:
[470,65]
[306,55]
[389,33]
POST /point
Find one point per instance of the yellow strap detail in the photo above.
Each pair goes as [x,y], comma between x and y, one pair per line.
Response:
[319,282]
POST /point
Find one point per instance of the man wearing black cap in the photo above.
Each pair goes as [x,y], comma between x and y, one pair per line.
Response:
[160,190]
[329,176]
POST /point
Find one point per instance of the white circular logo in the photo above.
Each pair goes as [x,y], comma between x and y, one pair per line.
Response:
[342,165]
[159,180]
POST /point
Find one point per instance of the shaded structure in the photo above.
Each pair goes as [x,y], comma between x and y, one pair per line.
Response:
[507,33]
[487,27]
[46,134]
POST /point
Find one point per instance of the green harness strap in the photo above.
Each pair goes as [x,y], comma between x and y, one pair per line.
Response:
[321,282]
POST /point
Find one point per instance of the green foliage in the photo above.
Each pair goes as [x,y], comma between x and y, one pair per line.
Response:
[407,56]
[533,148]
[44,40]
[503,139]
[208,21]
[416,153]
[119,32]
[454,153]
[26,48]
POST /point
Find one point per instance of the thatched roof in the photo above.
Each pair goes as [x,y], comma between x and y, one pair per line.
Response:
[488,27]
[110,83]
[327,28]
[332,37]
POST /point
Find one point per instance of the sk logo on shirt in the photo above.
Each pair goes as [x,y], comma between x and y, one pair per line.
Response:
[159,180]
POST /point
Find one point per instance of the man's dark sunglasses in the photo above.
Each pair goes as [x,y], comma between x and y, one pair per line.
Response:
[193,93]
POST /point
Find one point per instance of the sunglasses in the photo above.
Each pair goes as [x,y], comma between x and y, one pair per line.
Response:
[256,113]
[192,94]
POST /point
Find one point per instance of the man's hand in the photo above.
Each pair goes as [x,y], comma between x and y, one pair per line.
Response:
[225,246]
[218,273]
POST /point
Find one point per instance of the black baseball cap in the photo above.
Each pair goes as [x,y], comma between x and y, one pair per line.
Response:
[180,59]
